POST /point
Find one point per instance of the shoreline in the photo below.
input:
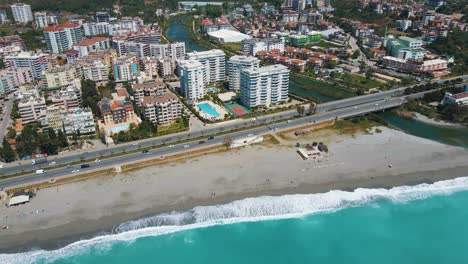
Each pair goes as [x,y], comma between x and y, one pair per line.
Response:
[158,189]
[105,225]
[431,121]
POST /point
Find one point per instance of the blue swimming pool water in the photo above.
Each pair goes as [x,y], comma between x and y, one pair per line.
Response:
[118,128]
[208,109]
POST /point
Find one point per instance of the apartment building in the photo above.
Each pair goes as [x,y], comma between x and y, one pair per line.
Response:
[137,43]
[43,19]
[31,109]
[116,112]
[95,70]
[406,48]
[61,38]
[264,86]
[152,88]
[52,118]
[235,65]
[67,98]
[163,109]
[214,63]
[126,68]
[192,79]
[37,63]
[174,51]
[21,13]
[166,67]
[60,76]
[253,46]
[120,26]
[86,46]
[78,120]
[18,76]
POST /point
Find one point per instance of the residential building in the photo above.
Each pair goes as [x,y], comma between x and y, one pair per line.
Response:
[87,45]
[264,86]
[116,112]
[166,67]
[95,70]
[18,76]
[3,17]
[152,88]
[125,68]
[6,85]
[96,28]
[209,25]
[214,62]
[102,17]
[235,65]
[458,98]
[66,98]
[31,109]
[60,76]
[137,43]
[37,63]
[163,109]
[43,19]
[61,38]
[78,120]
[52,118]
[174,51]
[21,13]
[253,46]
[192,79]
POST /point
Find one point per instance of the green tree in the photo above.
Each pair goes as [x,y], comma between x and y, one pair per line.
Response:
[6,152]
[62,139]
[356,54]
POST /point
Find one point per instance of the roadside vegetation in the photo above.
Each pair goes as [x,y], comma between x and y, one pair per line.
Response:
[321,87]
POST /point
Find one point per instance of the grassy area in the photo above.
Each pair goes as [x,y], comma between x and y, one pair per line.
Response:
[323,44]
[355,125]
[7,30]
[355,81]
[322,87]
[234,46]
[176,127]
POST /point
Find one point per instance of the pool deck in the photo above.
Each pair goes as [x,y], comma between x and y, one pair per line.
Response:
[221,111]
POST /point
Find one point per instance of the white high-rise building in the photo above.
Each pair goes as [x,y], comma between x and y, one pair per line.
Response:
[44,20]
[235,65]
[22,13]
[174,51]
[192,80]
[214,63]
[264,86]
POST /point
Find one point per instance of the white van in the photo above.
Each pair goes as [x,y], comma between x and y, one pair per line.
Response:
[40,171]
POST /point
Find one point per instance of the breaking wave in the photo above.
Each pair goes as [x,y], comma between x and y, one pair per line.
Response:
[246,210]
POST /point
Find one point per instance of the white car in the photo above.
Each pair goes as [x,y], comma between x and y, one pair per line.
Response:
[75,170]
[171,146]
[135,144]
[355,107]
[97,161]
[376,104]
[250,135]
[52,163]
[187,146]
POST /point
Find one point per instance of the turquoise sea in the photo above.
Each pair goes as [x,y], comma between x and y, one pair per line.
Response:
[426,224]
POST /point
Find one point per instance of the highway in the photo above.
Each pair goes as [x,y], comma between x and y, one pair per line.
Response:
[119,160]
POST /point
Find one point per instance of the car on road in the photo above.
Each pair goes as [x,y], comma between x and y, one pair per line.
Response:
[40,171]
[135,144]
[201,141]
[84,166]
[97,161]
[210,138]
[52,163]
[75,170]
[171,146]
[355,107]
[376,104]
[289,121]
[250,135]
[144,151]
[187,146]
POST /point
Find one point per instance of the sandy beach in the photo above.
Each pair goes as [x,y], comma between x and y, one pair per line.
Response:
[59,215]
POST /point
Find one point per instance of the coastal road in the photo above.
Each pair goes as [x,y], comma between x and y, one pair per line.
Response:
[163,151]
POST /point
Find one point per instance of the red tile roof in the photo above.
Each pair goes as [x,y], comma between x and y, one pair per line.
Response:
[91,41]
[69,25]
[53,28]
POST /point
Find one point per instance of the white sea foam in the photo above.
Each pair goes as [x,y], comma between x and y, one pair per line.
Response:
[246,210]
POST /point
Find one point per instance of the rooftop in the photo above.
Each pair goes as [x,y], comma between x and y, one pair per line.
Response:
[91,41]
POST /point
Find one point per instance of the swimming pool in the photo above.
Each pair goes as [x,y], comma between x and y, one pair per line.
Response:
[208,109]
[116,129]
